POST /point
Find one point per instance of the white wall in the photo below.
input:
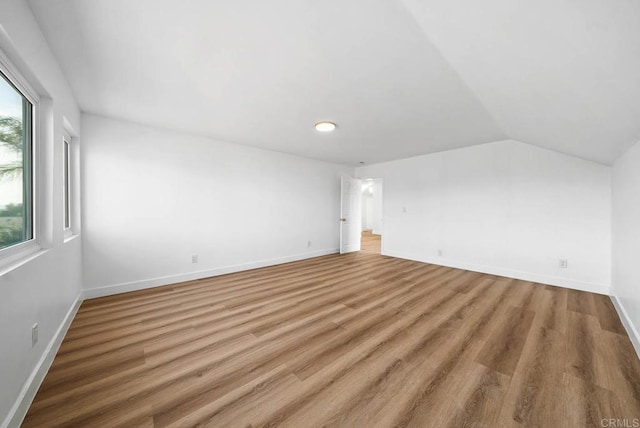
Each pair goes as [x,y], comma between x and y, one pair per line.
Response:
[42,288]
[506,208]
[153,198]
[626,239]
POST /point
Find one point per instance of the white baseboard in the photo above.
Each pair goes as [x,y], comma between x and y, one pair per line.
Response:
[109,290]
[525,276]
[27,394]
[632,332]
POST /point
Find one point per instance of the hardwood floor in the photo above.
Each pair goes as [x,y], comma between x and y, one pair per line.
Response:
[359,340]
[370,243]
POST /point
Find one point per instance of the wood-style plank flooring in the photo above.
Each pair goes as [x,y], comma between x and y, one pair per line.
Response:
[370,243]
[359,340]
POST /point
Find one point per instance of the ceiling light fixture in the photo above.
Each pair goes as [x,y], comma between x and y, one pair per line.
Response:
[325,126]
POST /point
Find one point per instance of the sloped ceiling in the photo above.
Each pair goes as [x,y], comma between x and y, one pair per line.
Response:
[560,74]
[400,77]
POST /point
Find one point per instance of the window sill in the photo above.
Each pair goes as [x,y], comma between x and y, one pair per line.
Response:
[14,260]
[70,236]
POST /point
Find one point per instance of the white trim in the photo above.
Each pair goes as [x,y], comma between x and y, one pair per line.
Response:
[71,136]
[13,255]
[510,273]
[42,165]
[14,261]
[17,79]
[633,334]
[70,237]
[71,140]
[67,176]
[109,290]
[27,394]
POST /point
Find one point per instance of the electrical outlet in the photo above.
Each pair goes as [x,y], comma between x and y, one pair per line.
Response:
[34,334]
[194,258]
[564,264]
[308,244]
[440,253]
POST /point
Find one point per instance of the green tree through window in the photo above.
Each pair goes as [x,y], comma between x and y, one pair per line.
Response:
[11,138]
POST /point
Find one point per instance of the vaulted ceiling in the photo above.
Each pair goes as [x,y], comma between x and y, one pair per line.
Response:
[399,77]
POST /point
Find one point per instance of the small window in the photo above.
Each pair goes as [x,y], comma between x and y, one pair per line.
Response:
[67,183]
[16,145]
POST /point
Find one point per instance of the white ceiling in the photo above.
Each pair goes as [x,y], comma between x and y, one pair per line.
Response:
[560,74]
[400,77]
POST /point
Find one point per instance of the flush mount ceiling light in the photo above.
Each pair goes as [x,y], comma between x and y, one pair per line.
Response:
[325,126]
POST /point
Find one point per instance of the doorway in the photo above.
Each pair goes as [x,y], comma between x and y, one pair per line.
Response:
[372,218]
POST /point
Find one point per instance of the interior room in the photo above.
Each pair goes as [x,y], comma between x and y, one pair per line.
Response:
[378,213]
[372,215]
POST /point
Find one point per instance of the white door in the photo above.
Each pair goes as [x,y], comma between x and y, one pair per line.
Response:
[350,214]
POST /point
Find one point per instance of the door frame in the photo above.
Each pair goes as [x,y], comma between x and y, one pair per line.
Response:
[382,228]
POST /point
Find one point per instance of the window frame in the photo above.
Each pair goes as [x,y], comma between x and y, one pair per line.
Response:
[67,183]
[24,248]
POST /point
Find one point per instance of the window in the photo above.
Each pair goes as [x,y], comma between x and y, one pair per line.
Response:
[16,174]
[67,183]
